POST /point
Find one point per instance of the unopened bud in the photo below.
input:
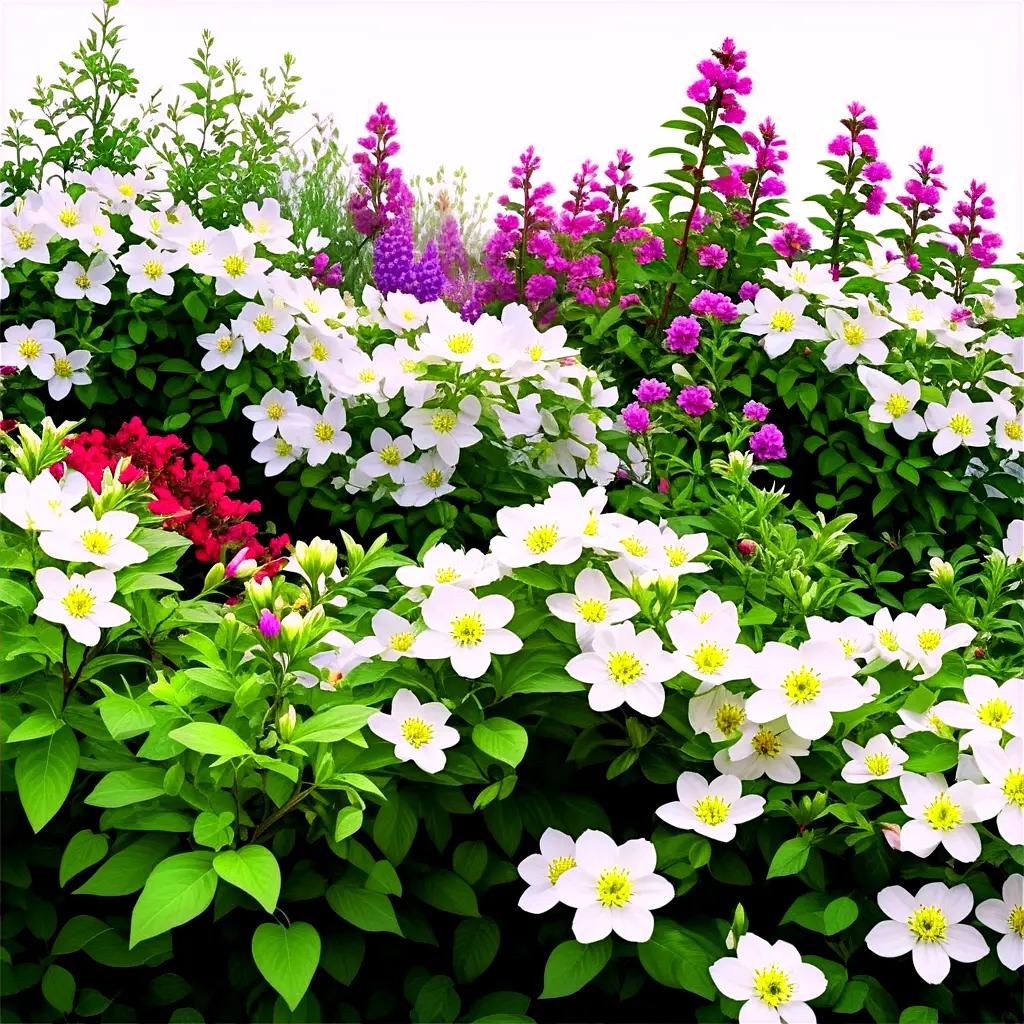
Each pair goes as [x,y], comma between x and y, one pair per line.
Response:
[940,571]
[891,834]
[286,724]
[746,547]
[214,576]
[979,652]
[269,624]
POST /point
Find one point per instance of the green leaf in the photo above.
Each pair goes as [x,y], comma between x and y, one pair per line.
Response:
[394,828]
[502,739]
[287,958]
[44,772]
[210,738]
[133,786]
[179,889]
[59,988]
[444,890]
[370,911]
[475,947]
[840,914]
[253,869]
[790,857]
[194,306]
[127,870]
[349,821]
[572,964]
[35,726]
[332,724]
[84,849]
[919,1015]
[123,716]
[678,958]
[214,830]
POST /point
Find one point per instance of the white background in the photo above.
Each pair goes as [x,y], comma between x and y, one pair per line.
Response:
[473,82]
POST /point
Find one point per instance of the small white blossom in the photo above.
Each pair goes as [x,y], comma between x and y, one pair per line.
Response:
[417,730]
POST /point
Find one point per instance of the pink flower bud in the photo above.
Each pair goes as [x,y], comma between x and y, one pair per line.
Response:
[746,547]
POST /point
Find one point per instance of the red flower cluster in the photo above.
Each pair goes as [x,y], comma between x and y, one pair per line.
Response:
[193,496]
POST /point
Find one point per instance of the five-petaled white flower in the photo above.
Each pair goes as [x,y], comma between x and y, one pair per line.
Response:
[625,667]
[417,730]
[924,638]
[424,480]
[1003,769]
[404,312]
[467,629]
[771,980]
[893,402]
[945,815]
[320,433]
[446,430]
[274,408]
[68,371]
[42,503]
[1006,916]
[990,709]
[103,540]
[263,325]
[30,348]
[77,282]
[781,322]
[81,604]
[591,605]
[266,226]
[393,637]
[768,749]
[223,348]
[551,532]
[542,870]
[613,888]
[719,713]
[928,926]
[879,759]
[959,422]
[150,269]
[386,456]
[855,337]
[882,264]
[713,809]
[706,639]
[442,564]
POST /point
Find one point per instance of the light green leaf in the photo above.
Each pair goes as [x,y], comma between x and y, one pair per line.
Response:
[501,739]
[214,830]
[210,738]
[133,786]
[179,889]
[127,870]
[35,726]
[253,869]
[678,958]
[287,958]
[394,828]
[840,914]
[572,964]
[44,772]
[332,724]
[349,821]
[790,857]
[84,849]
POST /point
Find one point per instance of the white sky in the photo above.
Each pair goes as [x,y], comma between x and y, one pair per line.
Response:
[473,82]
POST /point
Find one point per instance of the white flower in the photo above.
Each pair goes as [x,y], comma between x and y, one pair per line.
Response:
[771,980]
[1001,304]
[767,749]
[712,809]
[707,641]
[1003,769]
[150,269]
[103,541]
[959,422]
[1009,429]
[43,503]
[591,605]
[805,685]
[393,638]
[719,713]
[880,759]
[223,348]
[417,730]
[913,309]
[320,433]
[802,277]
[276,454]
[193,240]
[423,481]
[404,312]
[1013,542]
[893,402]
[71,218]
[551,532]
[928,927]
[613,888]
[442,564]
[852,634]
[386,457]
[524,422]
[24,237]
[274,408]
[450,338]
[68,371]
[855,337]
[914,721]
[780,322]
[467,629]
[266,226]
[542,870]
[30,348]
[989,709]
[236,268]
[945,815]
[885,644]
[263,326]
[447,430]
[76,282]
[625,667]
[925,638]
[343,656]
[80,603]
[954,331]
[1006,916]
[882,264]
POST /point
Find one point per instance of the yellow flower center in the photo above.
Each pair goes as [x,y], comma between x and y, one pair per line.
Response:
[928,924]
[367,376]
[460,344]
[401,641]
[68,217]
[263,322]
[318,351]
[30,349]
[802,685]
[961,424]
[1016,921]
[390,455]
[1013,787]
[558,866]
[677,555]
[125,189]
[853,334]
[82,281]
[877,764]
[443,421]
[539,539]
[323,431]
[782,320]
[915,314]
[799,276]
[709,657]
[590,609]
[224,343]
[153,269]
[98,229]
[196,246]
[62,367]
[712,810]
[78,602]
[24,239]
[416,732]
[408,316]
[887,638]
[996,712]
[96,541]
[1013,430]
[433,478]
[942,814]
[928,640]
[896,405]
[772,986]
[635,547]
[590,530]
[282,447]
[728,718]
[766,743]
[445,575]
[535,352]
[155,225]
[312,305]
[624,667]
[235,265]
[468,630]
[614,887]
[408,365]
[275,411]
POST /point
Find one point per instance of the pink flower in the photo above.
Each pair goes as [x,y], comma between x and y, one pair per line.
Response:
[712,256]
[682,334]
[650,391]
[756,411]
[636,418]
[695,400]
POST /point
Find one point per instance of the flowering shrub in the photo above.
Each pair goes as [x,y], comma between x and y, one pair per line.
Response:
[666,664]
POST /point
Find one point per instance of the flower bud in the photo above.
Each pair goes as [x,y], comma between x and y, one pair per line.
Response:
[269,624]
[214,576]
[891,834]
[941,572]
[746,547]
[260,592]
[286,724]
